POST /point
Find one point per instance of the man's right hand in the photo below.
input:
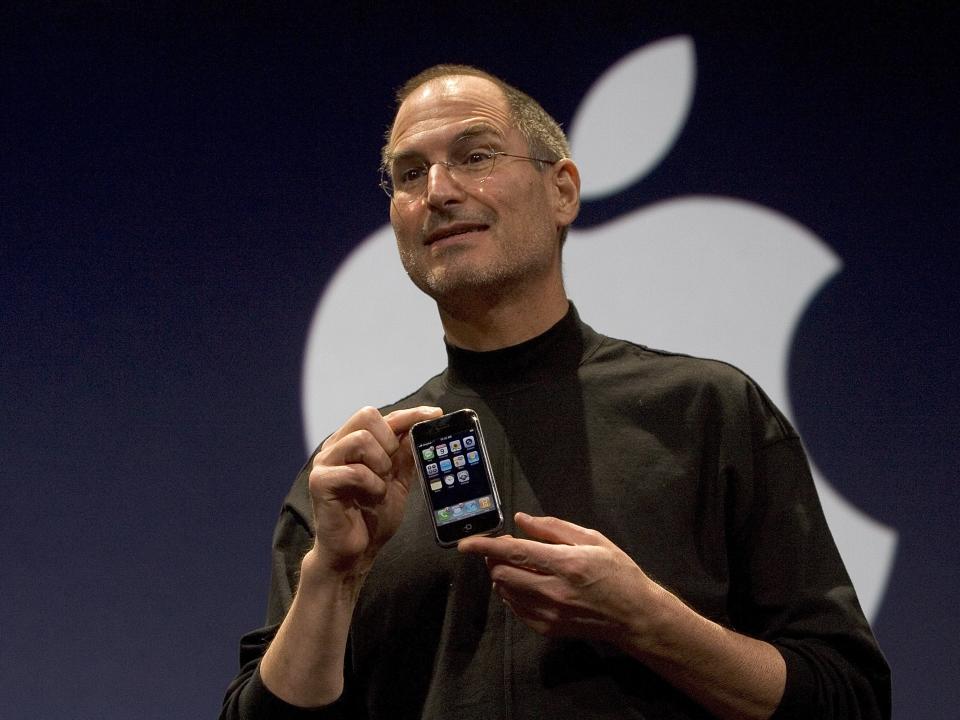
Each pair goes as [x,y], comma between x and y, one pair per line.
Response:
[359,485]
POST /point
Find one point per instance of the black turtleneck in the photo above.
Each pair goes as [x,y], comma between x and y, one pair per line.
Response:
[683,463]
[559,350]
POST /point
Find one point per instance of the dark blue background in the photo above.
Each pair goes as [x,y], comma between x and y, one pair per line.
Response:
[179,182]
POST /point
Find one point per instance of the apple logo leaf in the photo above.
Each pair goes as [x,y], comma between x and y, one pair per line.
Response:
[615,137]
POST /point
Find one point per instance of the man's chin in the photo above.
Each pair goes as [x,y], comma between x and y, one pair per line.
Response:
[447,285]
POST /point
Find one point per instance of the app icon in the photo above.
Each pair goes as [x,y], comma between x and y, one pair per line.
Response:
[454,446]
[486,502]
[473,457]
[463,476]
[469,441]
[443,515]
[459,460]
[471,506]
[428,453]
[441,450]
[445,465]
[431,469]
[448,479]
[436,485]
[458,509]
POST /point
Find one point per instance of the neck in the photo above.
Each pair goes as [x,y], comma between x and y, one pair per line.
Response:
[484,325]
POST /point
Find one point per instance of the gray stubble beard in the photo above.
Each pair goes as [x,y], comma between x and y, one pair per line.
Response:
[467,287]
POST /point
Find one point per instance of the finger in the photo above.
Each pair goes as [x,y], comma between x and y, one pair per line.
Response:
[513,578]
[541,597]
[530,605]
[351,483]
[529,616]
[404,469]
[400,421]
[360,446]
[554,530]
[480,544]
[475,544]
[529,554]
[522,598]
[369,419]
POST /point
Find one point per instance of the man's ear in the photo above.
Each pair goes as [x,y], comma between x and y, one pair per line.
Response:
[566,185]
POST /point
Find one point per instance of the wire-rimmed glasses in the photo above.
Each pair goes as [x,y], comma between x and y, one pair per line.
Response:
[405,180]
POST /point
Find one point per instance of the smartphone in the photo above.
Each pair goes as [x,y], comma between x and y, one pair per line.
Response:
[456,477]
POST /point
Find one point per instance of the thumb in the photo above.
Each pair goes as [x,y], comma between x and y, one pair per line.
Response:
[400,421]
[557,531]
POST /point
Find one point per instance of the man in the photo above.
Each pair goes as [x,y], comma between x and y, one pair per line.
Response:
[667,558]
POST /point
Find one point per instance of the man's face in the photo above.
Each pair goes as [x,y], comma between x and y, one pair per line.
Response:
[495,236]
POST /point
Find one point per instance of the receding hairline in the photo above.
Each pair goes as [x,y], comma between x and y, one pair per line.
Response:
[405,91]
[519,105]
[448,70]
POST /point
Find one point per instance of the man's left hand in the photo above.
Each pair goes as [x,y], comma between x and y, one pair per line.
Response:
[568,581]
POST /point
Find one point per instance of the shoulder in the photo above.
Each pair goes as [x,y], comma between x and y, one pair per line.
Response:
[682,383]
[676,370]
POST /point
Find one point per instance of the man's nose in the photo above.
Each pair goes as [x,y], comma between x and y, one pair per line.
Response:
[443,186]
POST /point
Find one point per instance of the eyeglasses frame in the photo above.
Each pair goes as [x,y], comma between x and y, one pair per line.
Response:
[385,184]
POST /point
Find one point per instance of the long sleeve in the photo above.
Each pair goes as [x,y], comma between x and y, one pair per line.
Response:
[800,587]
[247,698]
[789,583]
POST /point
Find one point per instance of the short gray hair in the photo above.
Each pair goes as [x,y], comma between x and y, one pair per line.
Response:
[545,138]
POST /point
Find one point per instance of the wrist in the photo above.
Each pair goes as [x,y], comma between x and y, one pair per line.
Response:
[304,664]
[650,630]
[319,576]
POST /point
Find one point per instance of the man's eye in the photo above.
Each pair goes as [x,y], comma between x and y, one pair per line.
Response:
[411,175]
[478,157]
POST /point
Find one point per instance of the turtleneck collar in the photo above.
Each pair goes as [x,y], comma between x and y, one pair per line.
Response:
[560,349]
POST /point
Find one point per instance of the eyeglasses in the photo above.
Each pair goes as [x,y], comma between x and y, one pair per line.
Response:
[406,180]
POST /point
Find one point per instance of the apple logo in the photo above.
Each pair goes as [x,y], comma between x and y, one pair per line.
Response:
[707,275]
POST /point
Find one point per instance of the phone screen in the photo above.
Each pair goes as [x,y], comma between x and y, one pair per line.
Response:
[456,476]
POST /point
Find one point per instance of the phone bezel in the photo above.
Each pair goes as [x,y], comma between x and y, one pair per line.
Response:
[449,534]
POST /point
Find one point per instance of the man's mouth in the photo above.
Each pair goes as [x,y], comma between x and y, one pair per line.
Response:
[453,230]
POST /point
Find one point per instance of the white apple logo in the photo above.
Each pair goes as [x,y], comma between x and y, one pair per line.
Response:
[711,276]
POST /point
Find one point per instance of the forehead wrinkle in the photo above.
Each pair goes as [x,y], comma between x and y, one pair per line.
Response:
[477,129]
[474,130]
[440,100]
